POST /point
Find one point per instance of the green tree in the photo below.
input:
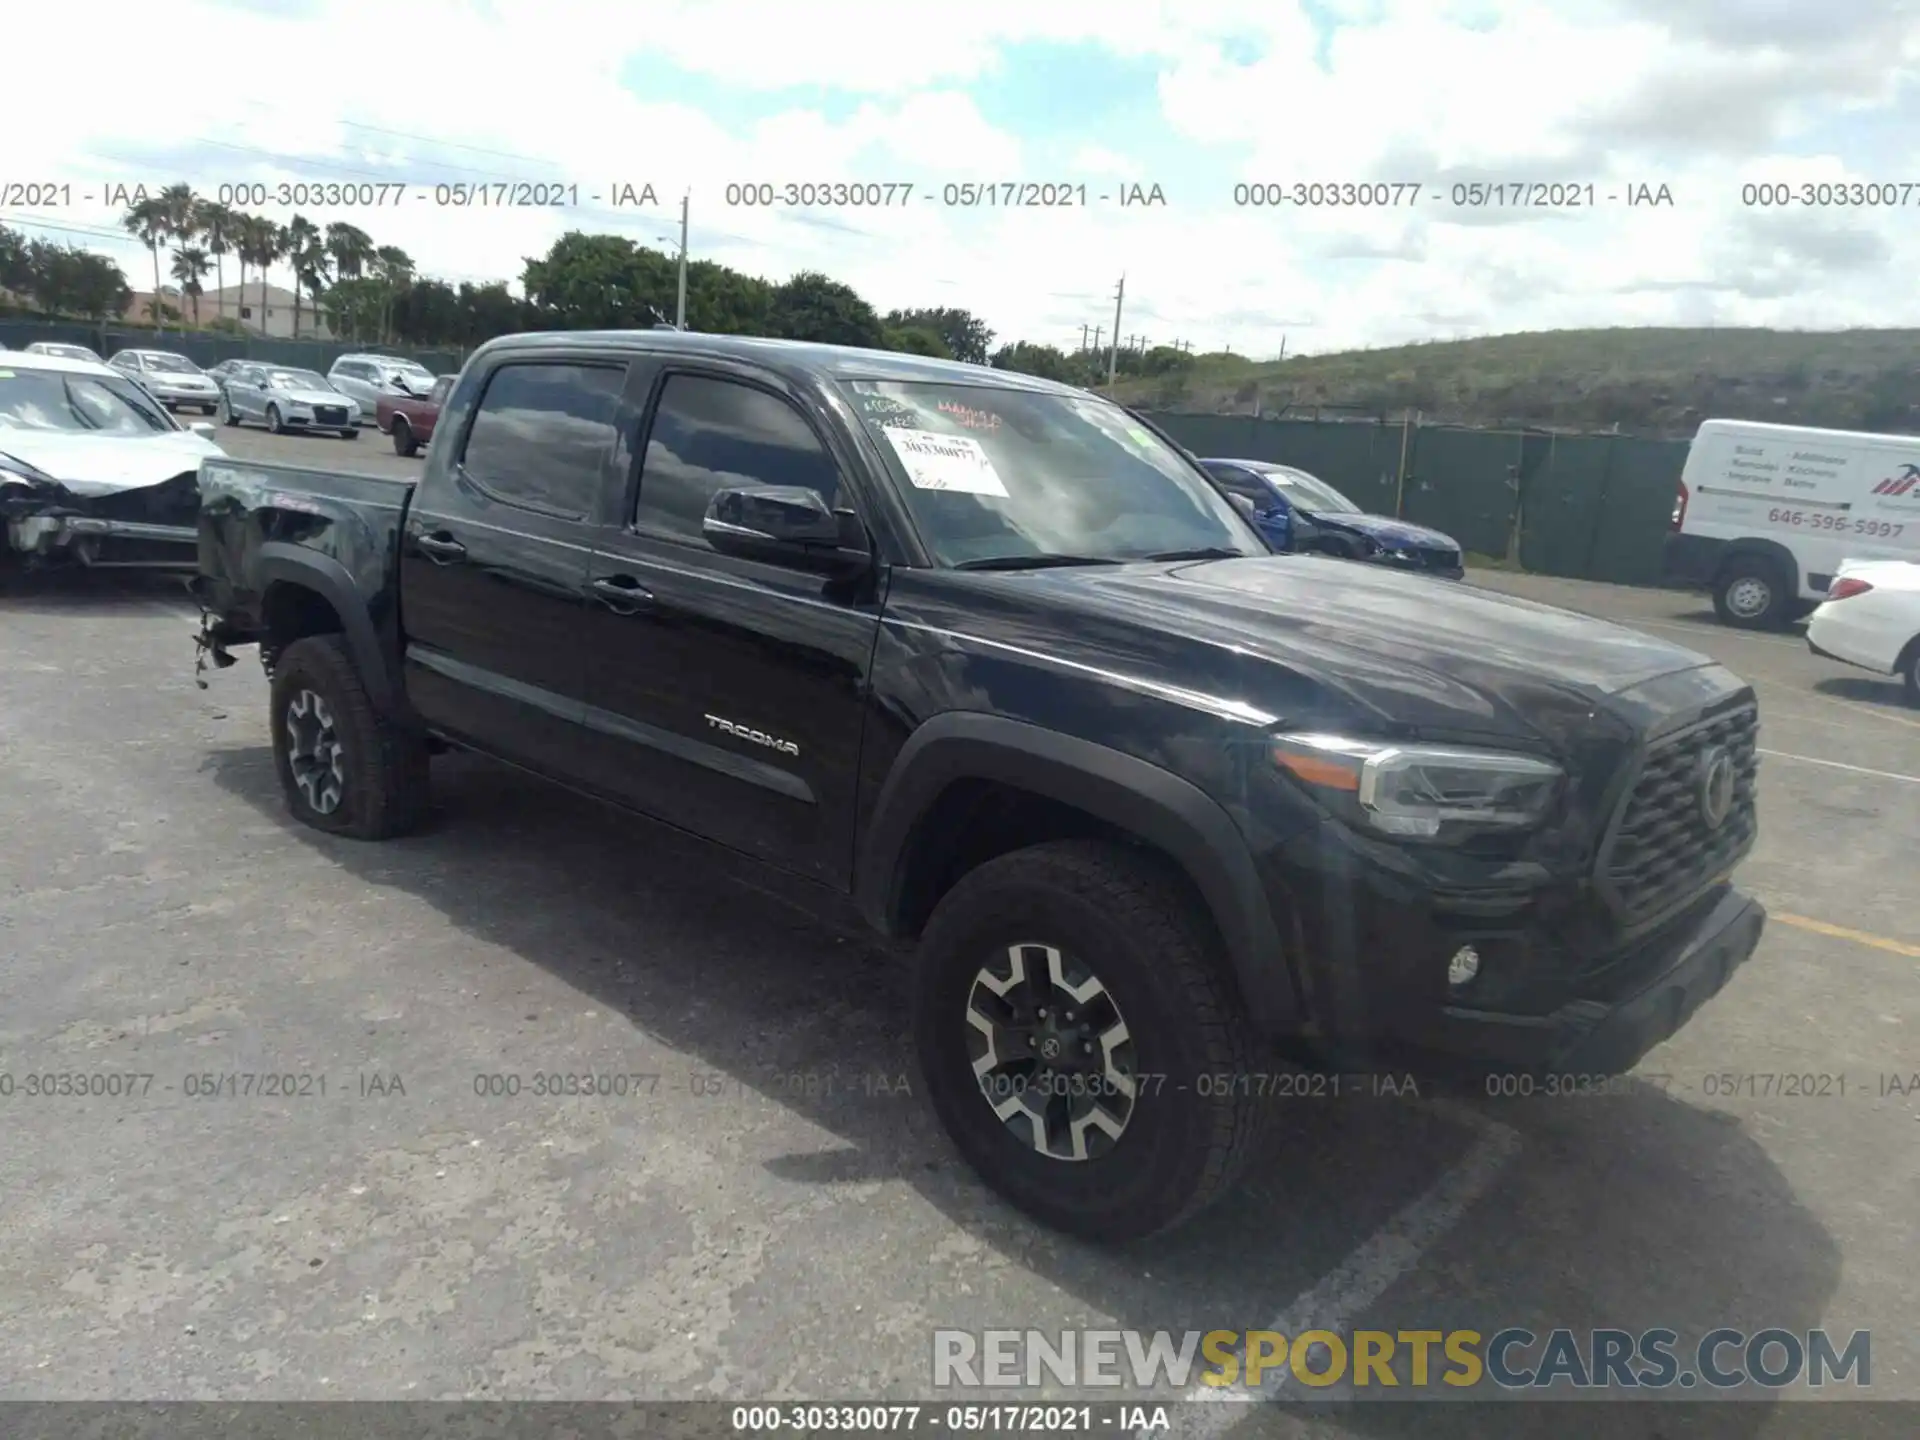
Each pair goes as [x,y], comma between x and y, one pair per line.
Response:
[16,262]
[964,335]
[261,243]
[600,282]
[219,228]
[393,267]
[147,222]
[725,301]
[427,312]
[812,306]
[190,266]
[1045,361]
[350,248]
[915,340]
[306,256]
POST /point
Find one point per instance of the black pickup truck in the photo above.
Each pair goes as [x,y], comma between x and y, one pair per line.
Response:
[990,663]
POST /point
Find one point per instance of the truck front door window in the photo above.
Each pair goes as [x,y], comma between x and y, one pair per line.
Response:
[542,433]
[710,434]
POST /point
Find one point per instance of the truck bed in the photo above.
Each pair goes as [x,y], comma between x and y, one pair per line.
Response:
[262,520]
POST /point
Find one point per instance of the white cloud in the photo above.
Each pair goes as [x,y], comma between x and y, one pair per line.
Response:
[1612,92]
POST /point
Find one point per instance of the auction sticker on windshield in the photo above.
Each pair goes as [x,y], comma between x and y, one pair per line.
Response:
[954,463]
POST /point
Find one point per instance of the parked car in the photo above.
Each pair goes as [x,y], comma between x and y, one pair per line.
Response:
[173,380]
[93,470]
[1302,513]
[367,377]
[284,399]
[63,350]
[1871,618]
[982,659]
[1766,513]
[219,373]
[410,419]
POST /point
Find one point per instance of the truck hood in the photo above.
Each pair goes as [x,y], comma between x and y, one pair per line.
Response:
[1392,533]
[1295,639]
[94,464]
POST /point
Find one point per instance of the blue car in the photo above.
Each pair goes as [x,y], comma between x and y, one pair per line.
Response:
[1300,512]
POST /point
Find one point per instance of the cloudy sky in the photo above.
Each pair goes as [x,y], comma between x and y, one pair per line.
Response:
[1703,97]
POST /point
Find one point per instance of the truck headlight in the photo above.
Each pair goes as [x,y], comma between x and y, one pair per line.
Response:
[1416,791]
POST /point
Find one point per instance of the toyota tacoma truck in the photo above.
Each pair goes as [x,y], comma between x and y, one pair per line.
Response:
[990,664]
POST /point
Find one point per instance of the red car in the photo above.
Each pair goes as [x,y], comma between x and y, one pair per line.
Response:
[409,418]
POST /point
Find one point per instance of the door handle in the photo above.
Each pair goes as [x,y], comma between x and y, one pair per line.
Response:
[622,594]
[442,549]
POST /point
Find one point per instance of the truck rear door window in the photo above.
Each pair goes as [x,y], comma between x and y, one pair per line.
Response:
[543,432]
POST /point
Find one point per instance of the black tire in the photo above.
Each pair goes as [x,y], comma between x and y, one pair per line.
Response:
[274,423]
[1910,670]
[227,413]
[403,441]
[208,409]
[1751,593]
[380,775]
[352,432]
[1180,1148]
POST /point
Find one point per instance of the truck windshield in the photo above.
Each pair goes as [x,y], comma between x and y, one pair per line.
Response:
[1002,475]
[55,400]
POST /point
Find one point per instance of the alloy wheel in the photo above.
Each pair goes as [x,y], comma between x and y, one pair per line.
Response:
[1051,1051]
[315,753]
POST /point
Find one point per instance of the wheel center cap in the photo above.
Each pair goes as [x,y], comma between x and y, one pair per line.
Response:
[1050,1048]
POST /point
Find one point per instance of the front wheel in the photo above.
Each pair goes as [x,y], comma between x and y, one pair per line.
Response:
[274,423]
[1081,1043]
[344,768]
[1910,673]
[1752,594]
[350,433]
[227,414]
[209,409]
[403,441]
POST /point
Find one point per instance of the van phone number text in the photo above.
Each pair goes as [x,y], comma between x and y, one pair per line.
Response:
[1814,520]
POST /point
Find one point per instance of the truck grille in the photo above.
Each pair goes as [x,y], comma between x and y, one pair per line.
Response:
[329,414]
[1664,847]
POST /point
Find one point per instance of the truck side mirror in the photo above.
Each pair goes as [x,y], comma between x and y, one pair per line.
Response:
[789,525]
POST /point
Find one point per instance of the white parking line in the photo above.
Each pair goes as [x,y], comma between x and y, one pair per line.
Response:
[1837,765]
[1364,1276]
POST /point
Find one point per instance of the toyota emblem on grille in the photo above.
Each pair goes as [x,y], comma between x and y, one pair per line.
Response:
[1716,787]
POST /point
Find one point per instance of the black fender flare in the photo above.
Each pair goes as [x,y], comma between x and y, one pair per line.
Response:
[1163,810]
[1773,550]
[283,563]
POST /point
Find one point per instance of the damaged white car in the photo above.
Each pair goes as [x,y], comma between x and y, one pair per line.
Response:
[93,470]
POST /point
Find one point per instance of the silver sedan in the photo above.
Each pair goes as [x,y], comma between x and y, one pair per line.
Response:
[285,399]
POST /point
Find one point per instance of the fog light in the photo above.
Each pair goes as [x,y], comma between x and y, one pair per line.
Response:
[1464,965]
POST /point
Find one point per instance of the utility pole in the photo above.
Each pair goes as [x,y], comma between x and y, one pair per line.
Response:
[1113,353]
[680,304]
[1083,337]
[1098,330]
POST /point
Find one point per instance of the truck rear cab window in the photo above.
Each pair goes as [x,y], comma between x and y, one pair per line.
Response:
[709,434]
[542,433]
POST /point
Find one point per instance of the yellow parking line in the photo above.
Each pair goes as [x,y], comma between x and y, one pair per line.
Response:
[1841,932]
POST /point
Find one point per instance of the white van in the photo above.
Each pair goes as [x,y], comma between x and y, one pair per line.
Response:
[1767,513]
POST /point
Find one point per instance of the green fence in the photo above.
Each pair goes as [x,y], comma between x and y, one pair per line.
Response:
[1591,507]
[208,347]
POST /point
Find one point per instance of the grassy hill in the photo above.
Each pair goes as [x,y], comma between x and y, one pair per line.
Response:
[1655,382]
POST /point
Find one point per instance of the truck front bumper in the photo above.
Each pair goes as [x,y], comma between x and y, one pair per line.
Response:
[1592,1036]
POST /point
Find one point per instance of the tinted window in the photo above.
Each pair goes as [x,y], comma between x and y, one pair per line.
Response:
[542,433]
[711,434]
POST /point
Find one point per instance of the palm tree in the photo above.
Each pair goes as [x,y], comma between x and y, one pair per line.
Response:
[394,267]
[351,249]
[190,268]
[302,247]
[263,247]
[147,220]
[220,225]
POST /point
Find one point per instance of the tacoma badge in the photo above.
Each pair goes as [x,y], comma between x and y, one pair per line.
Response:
[758,737]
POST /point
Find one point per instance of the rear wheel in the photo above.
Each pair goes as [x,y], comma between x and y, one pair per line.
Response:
[1751,593]
[403,441]
[343,767]
[1080,1041]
